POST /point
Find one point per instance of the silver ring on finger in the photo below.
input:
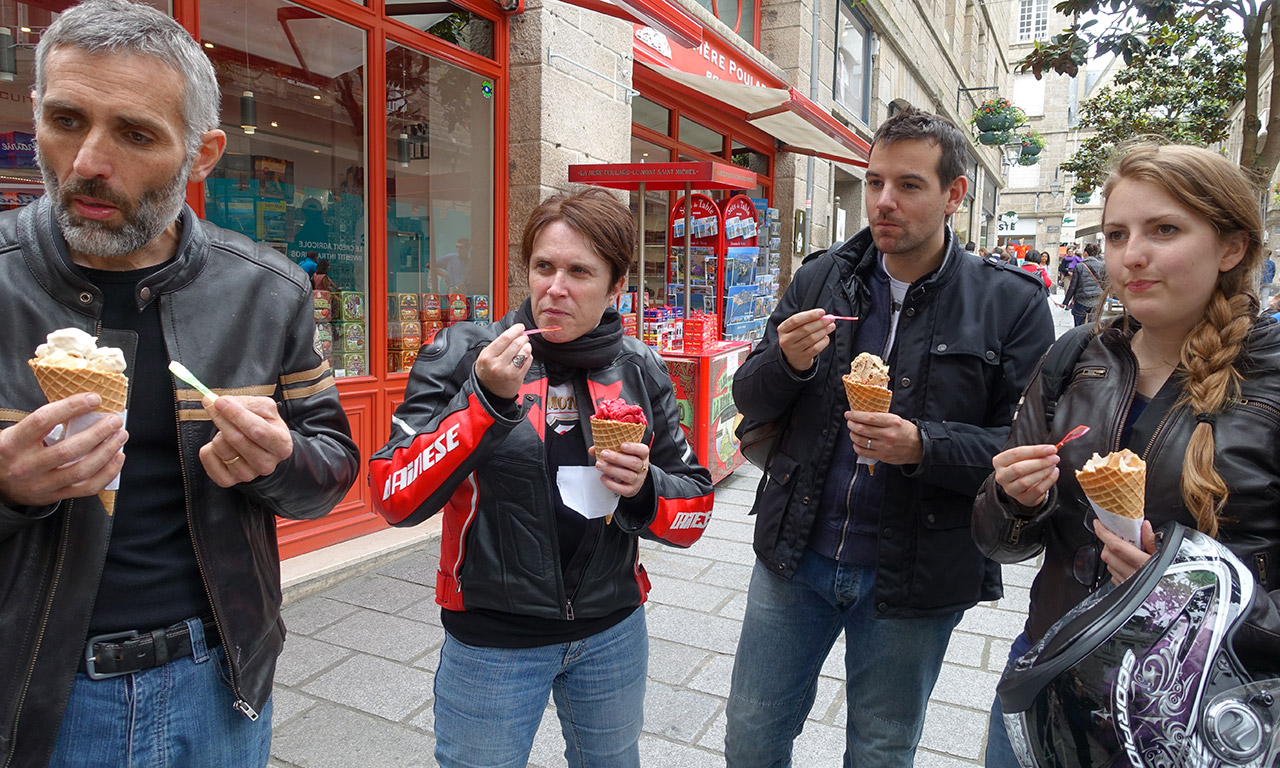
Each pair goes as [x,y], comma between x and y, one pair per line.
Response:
[868,443]
[519,359]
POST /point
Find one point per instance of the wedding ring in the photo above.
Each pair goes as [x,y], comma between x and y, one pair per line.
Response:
[644,467]
[868,443]
[229,462]
[519,359]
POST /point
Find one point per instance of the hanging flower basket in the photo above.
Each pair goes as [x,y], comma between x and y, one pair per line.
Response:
[994,138]
[1028,159]
[1082,198]
[1032,143]
[997,114]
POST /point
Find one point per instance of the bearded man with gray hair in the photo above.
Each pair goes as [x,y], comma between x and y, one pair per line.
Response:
[143,628]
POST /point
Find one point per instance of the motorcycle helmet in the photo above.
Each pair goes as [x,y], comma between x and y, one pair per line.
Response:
[1143,675]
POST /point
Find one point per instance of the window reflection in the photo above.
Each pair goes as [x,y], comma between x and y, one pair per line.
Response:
[293,176]
[447,21]
[21,25]
[439,200]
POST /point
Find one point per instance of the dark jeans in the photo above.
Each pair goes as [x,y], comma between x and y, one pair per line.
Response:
[1082,314]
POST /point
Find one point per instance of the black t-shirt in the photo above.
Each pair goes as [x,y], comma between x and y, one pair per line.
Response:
[150,578]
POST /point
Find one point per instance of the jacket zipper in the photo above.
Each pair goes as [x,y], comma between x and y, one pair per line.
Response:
[44,622]
[1259,404]
[848,510]
[1128,403]
[240,704]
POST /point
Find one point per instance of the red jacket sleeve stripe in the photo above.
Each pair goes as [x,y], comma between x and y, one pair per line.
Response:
[682,521]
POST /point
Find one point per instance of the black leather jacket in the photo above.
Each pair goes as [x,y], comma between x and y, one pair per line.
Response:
[485,468]
[1099,393]
[240,316]
[968,338]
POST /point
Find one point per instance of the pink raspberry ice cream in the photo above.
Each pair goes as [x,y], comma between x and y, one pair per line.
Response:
[620,410]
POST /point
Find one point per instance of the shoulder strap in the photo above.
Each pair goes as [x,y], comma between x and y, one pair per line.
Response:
[1059,363]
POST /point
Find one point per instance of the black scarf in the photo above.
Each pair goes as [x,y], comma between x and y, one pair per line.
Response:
[594,349]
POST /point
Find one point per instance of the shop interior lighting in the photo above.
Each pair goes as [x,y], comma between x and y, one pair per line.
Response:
[8,55]
[402,150]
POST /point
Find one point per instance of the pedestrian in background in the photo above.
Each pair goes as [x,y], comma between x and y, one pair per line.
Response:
[170,604]
[887,557]
[1035,266]
[1086,292]
[1186,387]
[1267,281]
[541,593]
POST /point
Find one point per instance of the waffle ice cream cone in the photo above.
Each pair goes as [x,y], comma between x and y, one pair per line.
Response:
[609,435]
[1116,482]
[59,382]
[864,397]
[108,499]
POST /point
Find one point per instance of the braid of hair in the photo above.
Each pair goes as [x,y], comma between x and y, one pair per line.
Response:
[1209,356]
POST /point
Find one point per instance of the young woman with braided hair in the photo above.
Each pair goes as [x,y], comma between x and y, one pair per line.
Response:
[1188,378]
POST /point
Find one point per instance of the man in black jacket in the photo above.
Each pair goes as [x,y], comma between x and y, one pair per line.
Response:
[164,593]
[885,556]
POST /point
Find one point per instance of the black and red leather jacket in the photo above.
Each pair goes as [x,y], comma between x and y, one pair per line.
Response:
[452,452]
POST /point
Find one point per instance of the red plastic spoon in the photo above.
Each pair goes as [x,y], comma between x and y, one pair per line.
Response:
[533,331]
[1079,431]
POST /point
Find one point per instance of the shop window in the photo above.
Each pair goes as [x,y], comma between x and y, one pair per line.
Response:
[1028,94]
[647,152]
[439,200]
[853,63]
[745,157]
[447,21]
[21,25]
[701,137]
[293,176]
[650,115]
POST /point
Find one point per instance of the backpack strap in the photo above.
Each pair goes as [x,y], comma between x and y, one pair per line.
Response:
[1059,363]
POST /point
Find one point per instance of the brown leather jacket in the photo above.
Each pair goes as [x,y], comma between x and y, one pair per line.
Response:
[242,316]
[1099,392]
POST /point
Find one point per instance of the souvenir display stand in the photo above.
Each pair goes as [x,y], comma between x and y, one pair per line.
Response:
[701,371]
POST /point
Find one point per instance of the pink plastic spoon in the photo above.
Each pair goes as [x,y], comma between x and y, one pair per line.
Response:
[1079,431]
[533,331]
[837,317]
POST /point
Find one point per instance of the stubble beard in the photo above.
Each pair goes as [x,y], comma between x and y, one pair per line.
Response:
[143,221]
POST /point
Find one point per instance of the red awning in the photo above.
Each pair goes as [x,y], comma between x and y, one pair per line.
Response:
[784,113]
[667,17]
[656,177]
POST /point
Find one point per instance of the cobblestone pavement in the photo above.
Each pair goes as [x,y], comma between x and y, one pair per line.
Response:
[354,685]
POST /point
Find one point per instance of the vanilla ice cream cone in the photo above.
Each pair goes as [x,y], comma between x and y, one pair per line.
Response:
[59,382]
[1116,482]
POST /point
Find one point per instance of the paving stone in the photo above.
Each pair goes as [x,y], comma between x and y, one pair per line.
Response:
[548,744]
[998,654]
[819,744]
[736,608]
[966,649]
[673,663]
[713,738]
[303,658]
[680,625]
[426,611]
[966,687]
[656,751]
[377,686]
[1016,599]
[379,593]
[723,550]
[731,530]
[389,636]
[1020,574]
[953,731]
[992,622]
[328,736]
[676,713]
[418,567]
[694,595]
[730,575]
[666,561]
[425,719]
[833,665]
[715,676]
[314,613]
[828,702]
[927,759]
[736,496]
[286,704]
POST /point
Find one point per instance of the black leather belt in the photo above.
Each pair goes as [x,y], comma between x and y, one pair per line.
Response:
[123,653]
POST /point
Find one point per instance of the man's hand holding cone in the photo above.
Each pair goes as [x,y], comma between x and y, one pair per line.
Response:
[34,474]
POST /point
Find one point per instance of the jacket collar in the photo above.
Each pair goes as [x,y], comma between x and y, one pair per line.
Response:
[46,255]
[861,254]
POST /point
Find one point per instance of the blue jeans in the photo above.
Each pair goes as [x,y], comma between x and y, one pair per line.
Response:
[179,714]
[489,701]
[890,666]
[999,751]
